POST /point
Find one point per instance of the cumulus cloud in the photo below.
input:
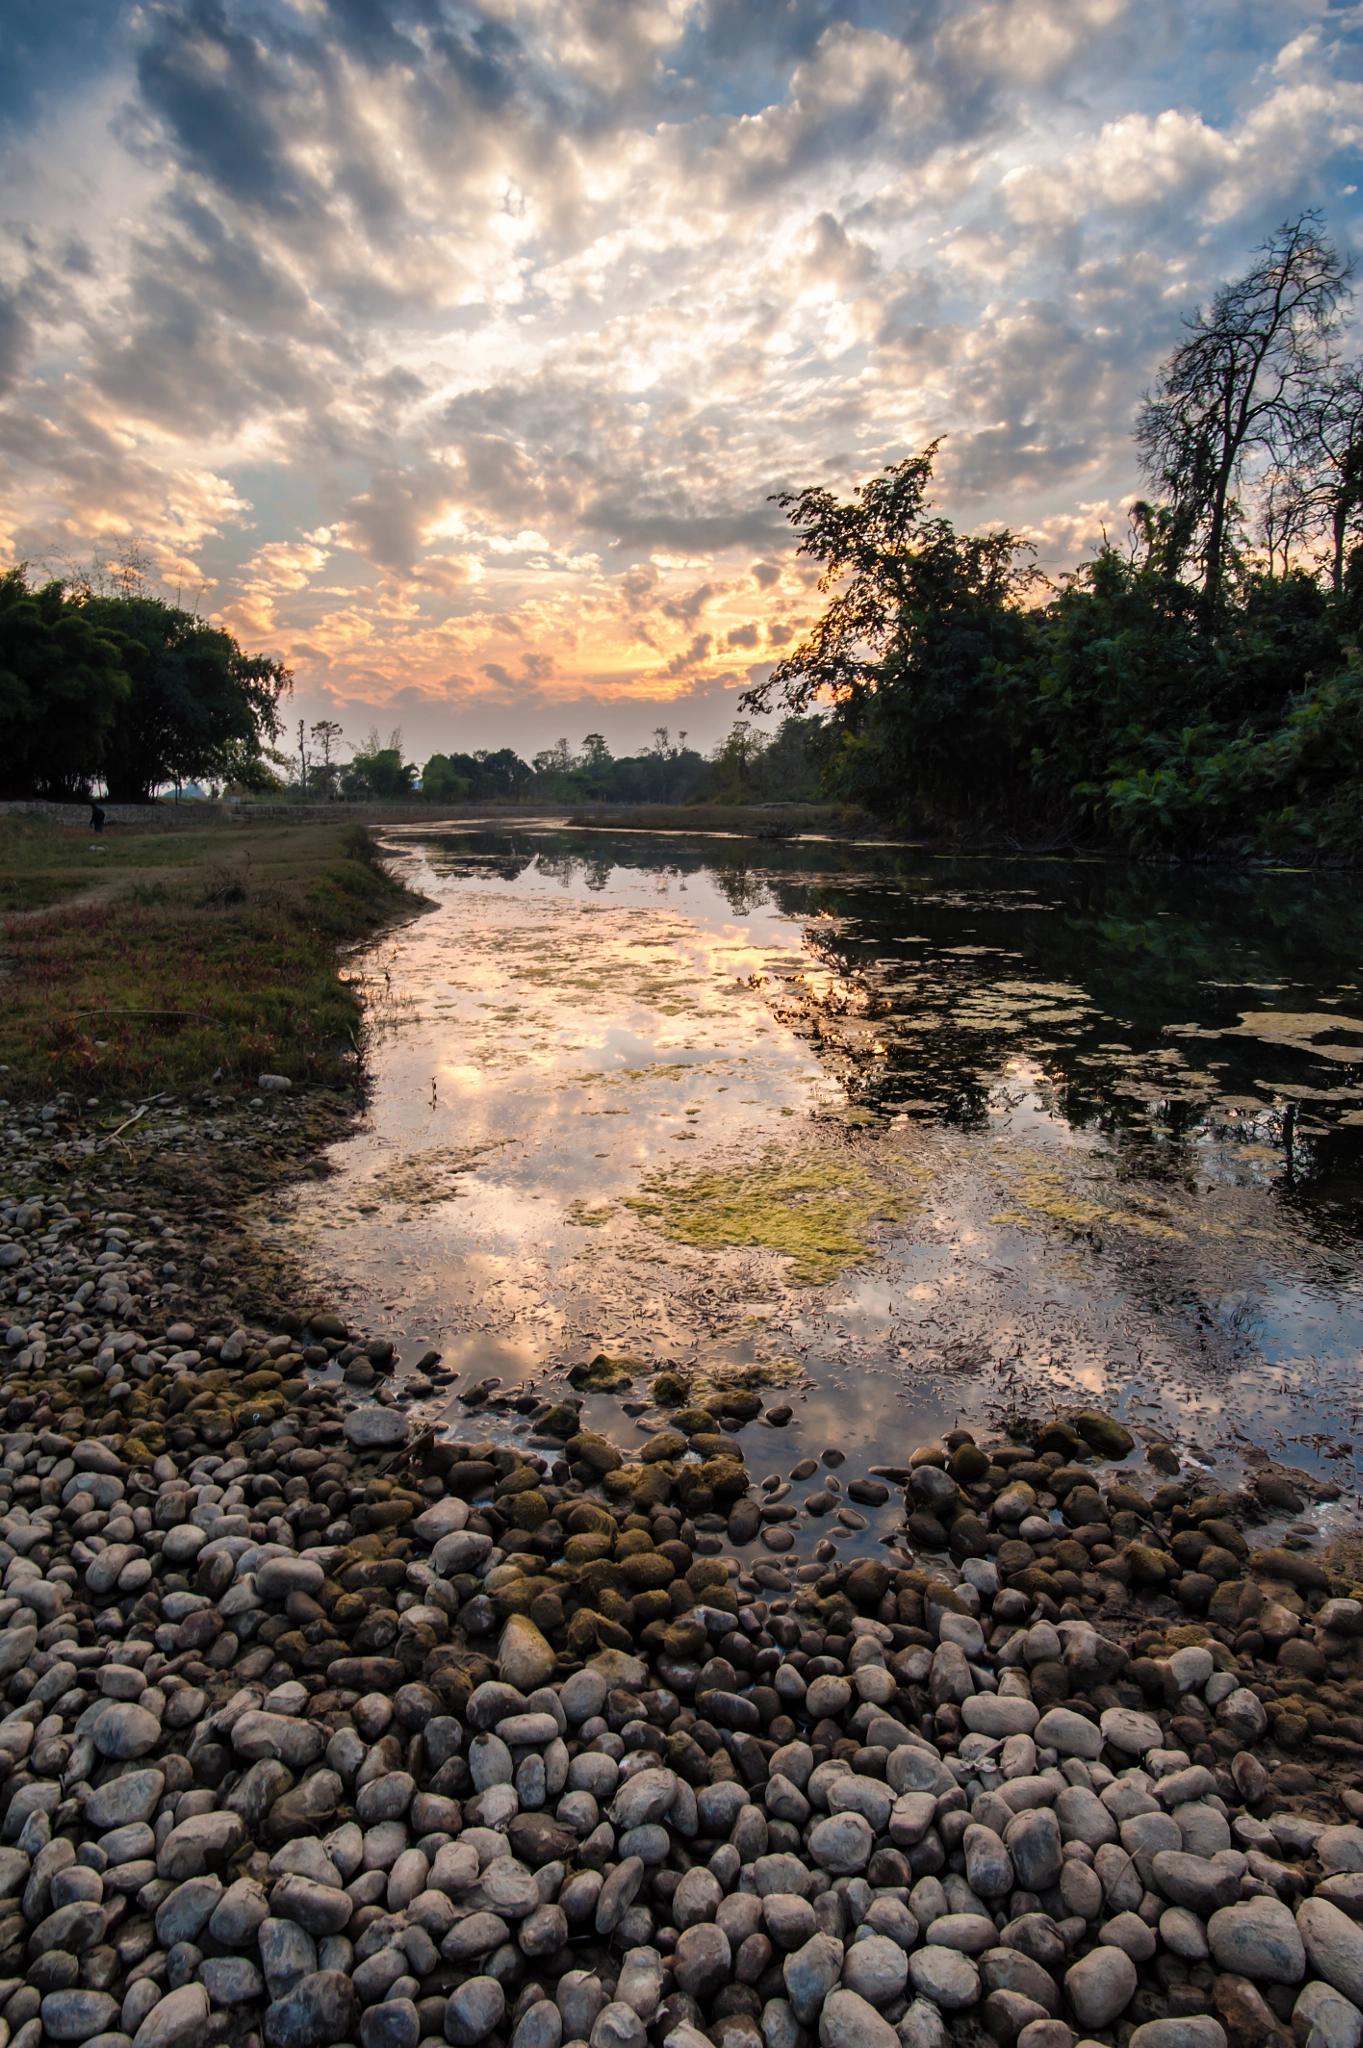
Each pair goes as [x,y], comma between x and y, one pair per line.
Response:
[458,348]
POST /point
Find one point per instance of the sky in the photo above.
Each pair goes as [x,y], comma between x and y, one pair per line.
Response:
[453,352]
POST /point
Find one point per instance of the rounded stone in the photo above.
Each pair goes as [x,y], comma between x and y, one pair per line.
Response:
[1258,1939]
[1063,1730]
[1334,1944]
[810,1973]
[1101,1986]
[701,1961]
[315,2012]
[618,2026]
[945,1978]
[178,2021]
[473,2011]
[876,1968]
[78,2015]
[842,1844]
[123,1730]
[277,1577]
[1199,2030]
[848,2021]
[392,2023]
[377,1429]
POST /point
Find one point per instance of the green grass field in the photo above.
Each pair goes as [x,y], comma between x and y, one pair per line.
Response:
[175,958]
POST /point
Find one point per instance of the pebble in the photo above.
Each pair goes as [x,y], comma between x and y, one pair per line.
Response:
[246,1637]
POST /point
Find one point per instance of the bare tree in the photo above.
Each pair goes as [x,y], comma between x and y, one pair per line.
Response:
[1329,477]
[1240,388]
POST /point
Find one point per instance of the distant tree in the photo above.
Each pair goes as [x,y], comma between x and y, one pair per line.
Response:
[62,686]
[324,775]
[595,753]
[502,774]
[555,760]
[1241,387]
[736,759]
[380,772]
[196,703]
[440,779]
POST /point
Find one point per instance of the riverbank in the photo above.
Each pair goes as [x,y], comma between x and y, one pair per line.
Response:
[333,1716]
[151,962]
[329,1730]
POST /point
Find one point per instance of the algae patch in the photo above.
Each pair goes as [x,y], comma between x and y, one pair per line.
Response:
[1044,1194]
[817,1210]
[587,1216]
[427,1177]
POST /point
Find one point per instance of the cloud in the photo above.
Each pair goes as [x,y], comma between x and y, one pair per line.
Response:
[458,347]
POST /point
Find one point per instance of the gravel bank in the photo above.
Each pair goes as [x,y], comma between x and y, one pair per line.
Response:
[318,1731]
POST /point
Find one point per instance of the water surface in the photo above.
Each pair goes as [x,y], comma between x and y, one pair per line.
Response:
[900,1139]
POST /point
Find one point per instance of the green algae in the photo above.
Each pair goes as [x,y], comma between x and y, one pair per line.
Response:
[817,1210]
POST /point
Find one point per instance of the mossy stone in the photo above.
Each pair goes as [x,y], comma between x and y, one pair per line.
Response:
[968,1465]
[666,1444]
[589,1518]
[601,1375]
[1148,1565]
[691,1421]
[740,1406]
[561,1421]
[529,1510]
[593,1451]
[1058,1436]
[1104,1434]
[670,1389]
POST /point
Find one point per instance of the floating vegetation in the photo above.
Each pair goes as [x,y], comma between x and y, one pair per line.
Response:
[423,1178]
[1042,1191]
[589,1216]
[817,1210]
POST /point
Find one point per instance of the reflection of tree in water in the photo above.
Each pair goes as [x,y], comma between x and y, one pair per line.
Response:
[1133,949]
[742,890]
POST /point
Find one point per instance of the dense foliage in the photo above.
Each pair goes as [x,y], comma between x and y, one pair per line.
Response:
[125,692]
[1198,693]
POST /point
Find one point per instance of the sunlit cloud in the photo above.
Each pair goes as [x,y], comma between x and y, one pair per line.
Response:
[455,354]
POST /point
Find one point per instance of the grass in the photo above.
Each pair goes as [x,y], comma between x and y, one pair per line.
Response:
[199,956]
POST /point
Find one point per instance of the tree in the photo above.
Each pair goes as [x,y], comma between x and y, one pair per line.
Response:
[905,654]
[379,771]
[440,779]
[1240,388]
[736,759]
[555,760]
[195,702]
[595,753]
[323,775]
[62,686]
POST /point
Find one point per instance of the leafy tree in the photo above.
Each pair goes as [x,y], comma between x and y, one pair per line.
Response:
[381,773]
[195,702]
[1241,386]
[62,686]
[905,654]
[441,780]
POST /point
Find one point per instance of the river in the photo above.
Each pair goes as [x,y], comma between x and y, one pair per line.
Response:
[895,1139]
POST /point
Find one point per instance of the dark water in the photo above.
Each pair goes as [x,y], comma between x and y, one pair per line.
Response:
[900,1139]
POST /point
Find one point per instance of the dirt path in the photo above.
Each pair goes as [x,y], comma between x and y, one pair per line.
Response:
[102,891]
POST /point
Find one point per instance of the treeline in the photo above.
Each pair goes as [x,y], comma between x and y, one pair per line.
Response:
[120,691]
[1196,693]
[747,767]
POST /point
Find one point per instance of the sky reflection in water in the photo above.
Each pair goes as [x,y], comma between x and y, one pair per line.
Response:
[1119,1165]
